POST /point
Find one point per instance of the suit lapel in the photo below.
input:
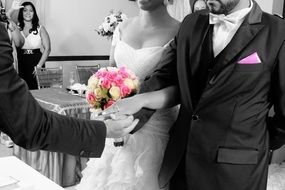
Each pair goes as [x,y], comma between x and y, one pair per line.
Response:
[198,37]
[190,67]
[245,34]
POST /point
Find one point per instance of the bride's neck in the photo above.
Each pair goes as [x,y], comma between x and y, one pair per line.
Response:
[153,17]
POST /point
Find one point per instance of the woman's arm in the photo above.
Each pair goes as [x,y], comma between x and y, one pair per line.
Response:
[163,98]
[17,38]
[16,5]
[46,46]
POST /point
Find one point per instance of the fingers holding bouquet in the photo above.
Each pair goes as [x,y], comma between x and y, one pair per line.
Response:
[120,127]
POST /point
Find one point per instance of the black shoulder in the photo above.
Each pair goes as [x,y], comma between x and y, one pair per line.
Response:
[194,16]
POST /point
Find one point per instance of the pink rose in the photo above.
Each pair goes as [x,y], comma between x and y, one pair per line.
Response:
[125,90]
[101,74]
[111,75]
[108,104]
[106,83]
[118,80]
[90,97]
[123,72]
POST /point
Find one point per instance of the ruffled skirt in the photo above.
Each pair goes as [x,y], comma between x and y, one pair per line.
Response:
[134,166]
[276,177]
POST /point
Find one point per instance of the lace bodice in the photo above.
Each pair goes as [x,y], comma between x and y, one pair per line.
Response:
[141,61]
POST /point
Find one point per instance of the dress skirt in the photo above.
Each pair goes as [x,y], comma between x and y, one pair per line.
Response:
[27,60]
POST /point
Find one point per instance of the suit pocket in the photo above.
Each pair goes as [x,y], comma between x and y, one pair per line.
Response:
[237,156]
[248,67]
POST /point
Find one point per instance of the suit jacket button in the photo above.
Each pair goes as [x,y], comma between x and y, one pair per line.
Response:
[195,117]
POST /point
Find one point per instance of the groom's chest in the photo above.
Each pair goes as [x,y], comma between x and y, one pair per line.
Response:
[235,70]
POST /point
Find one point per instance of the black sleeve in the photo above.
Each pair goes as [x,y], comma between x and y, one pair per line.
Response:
[32,127]
[276,123]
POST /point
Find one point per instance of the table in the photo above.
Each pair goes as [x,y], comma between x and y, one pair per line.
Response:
[62,168]
[22,176]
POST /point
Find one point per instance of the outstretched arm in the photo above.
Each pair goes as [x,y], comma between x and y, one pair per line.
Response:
[17,38]
[159,99]
[32,127]
[16,5]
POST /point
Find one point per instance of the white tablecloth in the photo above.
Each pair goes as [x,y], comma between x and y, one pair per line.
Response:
[22,176]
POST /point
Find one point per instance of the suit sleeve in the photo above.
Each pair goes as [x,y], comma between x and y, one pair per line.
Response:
[164,75]
[32,127]
[277,122]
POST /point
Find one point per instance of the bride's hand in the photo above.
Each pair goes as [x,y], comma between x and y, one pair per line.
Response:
[16,5]
[126,106]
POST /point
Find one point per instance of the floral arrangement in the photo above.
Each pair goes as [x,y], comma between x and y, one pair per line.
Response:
[107,28]
[108,85]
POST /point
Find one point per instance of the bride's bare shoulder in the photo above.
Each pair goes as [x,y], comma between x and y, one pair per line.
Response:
[128,22]
[174,24]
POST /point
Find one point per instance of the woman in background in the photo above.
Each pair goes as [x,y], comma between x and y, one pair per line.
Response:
[36,48]
[138,43]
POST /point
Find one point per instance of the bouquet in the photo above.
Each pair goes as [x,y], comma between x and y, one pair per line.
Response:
[108,85]
[107,28]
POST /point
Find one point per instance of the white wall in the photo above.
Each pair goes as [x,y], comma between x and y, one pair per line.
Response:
[72,23]
[266,5]
[278,7]
[271,6]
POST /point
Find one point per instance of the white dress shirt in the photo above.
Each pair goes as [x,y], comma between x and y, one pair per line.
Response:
[225,27]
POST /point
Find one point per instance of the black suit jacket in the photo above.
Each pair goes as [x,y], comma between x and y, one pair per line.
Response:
[34,128]
[225,136]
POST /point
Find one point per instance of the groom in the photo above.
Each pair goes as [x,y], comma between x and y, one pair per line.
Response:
[230,71]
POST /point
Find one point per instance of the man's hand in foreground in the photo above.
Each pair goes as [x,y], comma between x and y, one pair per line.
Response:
[118,127]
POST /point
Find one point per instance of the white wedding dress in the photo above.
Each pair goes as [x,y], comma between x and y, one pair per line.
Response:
[134,166]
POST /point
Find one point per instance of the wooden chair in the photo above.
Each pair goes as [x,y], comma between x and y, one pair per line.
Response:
[49,77]
[85,71]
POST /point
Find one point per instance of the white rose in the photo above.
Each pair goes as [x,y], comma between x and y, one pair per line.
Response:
[130,84]
[99,93]
[92,82]
[123,16]
[102,69]
[115,92]
[136,84]
[113,19]
[115,69]
[107,19]
[106,27]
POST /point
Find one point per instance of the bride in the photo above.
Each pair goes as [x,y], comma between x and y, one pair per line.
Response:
[138,43]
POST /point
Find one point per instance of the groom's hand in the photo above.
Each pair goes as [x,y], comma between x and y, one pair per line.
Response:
[118,127]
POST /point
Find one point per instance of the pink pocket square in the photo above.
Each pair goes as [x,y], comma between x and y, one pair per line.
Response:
[251,59]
